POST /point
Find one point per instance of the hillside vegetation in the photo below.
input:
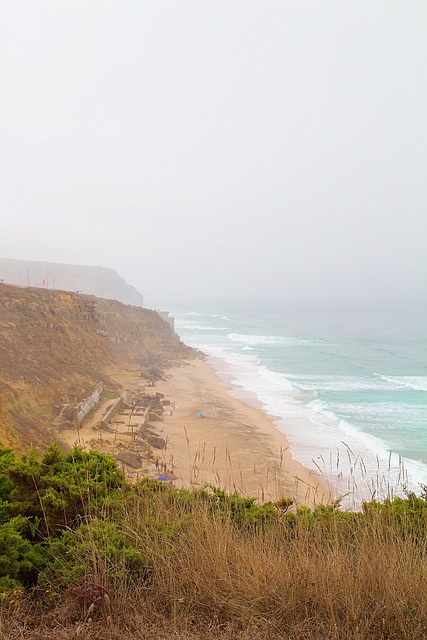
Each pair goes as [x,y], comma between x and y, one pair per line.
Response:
[56,346]
[84,554]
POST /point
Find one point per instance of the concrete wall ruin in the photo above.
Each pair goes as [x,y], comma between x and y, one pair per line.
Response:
[89,403]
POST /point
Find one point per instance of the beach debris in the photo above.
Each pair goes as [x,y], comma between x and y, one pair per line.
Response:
[130,458]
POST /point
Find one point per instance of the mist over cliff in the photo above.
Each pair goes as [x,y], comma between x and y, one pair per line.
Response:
[102,282]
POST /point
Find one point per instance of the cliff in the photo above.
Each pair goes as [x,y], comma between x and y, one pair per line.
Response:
[56,347]
[98,281]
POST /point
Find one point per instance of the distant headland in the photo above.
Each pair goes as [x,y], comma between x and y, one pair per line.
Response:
[102,282]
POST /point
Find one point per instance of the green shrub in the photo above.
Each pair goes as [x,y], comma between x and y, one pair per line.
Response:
[7,459]
[96,553]
[20,561]
[60,488]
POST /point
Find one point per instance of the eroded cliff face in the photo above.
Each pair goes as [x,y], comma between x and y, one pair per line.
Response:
[56,346]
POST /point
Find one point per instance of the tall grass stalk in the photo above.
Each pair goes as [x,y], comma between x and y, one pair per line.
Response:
[202,564]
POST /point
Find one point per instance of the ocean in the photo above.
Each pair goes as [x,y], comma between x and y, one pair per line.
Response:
[349,389]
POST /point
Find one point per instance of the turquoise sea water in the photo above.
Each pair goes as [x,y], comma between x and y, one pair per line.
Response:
[349,389]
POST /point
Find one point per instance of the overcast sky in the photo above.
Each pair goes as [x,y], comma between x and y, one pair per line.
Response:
[214,148]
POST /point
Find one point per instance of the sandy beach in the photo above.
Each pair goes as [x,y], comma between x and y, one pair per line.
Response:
[233,445]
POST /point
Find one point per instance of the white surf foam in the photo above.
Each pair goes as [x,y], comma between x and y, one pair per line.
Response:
[190,313]
[201,315]
[341,383]
[417,383]
[353,461]
[199,327]
[319,437]
[255,339]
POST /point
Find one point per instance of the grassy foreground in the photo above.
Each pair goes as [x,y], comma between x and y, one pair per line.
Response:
[83,554]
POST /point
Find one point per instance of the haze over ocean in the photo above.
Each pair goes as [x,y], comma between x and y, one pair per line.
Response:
[236,148]
[240,150]
[348,388]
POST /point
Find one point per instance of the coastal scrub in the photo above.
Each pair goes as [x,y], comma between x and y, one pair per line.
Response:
[80,545]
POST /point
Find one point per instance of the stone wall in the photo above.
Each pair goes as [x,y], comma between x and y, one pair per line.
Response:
[89,403]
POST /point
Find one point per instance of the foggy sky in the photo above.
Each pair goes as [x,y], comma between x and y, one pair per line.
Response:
[214,148]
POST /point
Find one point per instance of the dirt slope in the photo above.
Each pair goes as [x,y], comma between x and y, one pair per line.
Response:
[56,346]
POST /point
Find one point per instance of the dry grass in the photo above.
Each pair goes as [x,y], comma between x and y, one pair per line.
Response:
[214,572]
[358,580]
[374,585]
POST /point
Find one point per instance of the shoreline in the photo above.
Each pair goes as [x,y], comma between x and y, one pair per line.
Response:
[232,445]
[235,445]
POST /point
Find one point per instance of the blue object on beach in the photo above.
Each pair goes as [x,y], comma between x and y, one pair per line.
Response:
[163,478]
[201,414]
